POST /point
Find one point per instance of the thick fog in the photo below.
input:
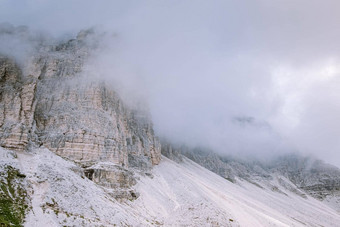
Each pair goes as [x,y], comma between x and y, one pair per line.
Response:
[241,77]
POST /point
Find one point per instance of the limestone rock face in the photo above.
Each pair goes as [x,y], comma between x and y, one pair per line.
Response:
[16,105]
[52,104]
[118,181]
[89,123]
[110,176]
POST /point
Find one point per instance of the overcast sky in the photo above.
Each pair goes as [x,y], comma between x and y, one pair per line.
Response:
[242,77]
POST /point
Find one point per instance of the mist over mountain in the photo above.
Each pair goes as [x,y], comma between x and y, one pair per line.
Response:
[203,67]
[159,113]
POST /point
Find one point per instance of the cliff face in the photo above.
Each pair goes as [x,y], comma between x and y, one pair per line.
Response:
[16,106]
[51,104]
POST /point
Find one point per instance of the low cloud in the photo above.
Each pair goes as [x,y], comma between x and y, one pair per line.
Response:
[251,77]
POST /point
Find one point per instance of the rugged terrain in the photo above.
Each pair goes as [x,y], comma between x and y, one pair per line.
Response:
[73,153]
[305,175]
[49,104]
[172,194]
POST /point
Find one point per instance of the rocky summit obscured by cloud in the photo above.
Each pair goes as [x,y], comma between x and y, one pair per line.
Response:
[241,77]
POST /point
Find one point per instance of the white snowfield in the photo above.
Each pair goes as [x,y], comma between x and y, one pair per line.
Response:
[183,194]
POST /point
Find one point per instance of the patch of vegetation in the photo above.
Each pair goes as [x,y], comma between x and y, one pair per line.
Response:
[13,203]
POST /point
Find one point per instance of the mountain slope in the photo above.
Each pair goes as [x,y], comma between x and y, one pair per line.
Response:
[299,174]
[174,194]
[51,102]
[187,194]
[72,153]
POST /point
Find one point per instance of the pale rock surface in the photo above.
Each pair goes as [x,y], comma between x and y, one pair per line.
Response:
[87,159]
[16,105]
[54,106]
[49,103]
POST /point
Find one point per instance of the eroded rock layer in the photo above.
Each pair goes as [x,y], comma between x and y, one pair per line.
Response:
[51,104]
[16,105]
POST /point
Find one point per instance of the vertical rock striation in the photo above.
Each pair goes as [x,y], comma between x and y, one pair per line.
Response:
[16,105]
[51,104]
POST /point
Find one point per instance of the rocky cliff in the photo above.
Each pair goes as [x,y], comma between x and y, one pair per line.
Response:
[72,153]
[49,103]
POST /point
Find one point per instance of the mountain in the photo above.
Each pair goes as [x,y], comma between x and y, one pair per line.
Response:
[74,153]
[56,193]
[299,174]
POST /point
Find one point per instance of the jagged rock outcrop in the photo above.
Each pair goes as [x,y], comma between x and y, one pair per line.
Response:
[75,117]
[117,180]
[172,152]
[49,103]
[314,176]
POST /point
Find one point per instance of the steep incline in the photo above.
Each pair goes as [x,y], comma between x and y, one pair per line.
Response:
[73,153]
[187,194]
[52,104]
[175,194]
[299,174]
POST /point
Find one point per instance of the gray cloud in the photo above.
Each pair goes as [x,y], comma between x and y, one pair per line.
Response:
[248,77]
